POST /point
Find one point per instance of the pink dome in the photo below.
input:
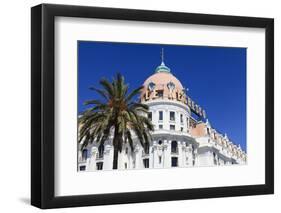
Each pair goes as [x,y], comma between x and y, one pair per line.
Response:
[163,78]
[163,85]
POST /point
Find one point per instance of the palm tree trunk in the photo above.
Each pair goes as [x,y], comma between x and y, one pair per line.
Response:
[115,146]
[115,157]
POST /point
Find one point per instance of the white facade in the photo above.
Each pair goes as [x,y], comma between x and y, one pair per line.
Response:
[179,140]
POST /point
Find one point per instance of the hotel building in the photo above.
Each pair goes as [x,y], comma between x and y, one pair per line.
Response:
[183,136]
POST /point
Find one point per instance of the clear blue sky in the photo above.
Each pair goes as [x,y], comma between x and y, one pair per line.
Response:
[215,76]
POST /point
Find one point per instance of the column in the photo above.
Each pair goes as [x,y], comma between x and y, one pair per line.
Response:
[167,154]
[108,157]
[138,157]
[91,162]
[190,155]
[120,160]
[155,155]
[151,155]
[180,155]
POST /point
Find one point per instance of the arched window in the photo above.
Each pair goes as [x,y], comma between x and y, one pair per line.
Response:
[84,154]
[160,115]
[150,116]
[193,149]
[174,147]
[172,116]
[160,142]
[215,158]
[101,150]
[151,86]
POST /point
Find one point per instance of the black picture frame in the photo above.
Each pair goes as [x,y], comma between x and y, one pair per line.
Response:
[43,111]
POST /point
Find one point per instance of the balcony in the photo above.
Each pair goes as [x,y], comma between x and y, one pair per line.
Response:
[99,156]
[83,160]
[175,151]
[145,154]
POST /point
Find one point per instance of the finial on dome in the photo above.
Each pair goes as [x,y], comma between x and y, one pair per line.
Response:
[162,67]
[162,57]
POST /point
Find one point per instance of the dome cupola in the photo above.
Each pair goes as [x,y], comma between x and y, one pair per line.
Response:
[163,85]
[162,68]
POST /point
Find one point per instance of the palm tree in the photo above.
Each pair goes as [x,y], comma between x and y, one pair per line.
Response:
[116,114]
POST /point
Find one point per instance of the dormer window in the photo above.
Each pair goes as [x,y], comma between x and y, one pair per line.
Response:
[151,86]
[171,86]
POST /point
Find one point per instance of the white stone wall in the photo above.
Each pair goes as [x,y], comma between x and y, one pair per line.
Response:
[190,151]
[166,107]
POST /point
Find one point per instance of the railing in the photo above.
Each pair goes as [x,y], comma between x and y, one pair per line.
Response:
[174,151]
[99,156]
[144,154]
[83,160]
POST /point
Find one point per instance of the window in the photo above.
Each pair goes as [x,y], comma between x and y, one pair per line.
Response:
[172,116]
[159,93]
[160,159]
[160,115]
[151,86]
[174,162]
[171,85]
[99,165]
[82,168]
[150,116]
[125,165]
[160,142]
[181,118]
[146,163]
[193,149]
[172,127]
[208,131]
[160,126]
[101,150]
[181,129]
[84,154]
[174,147]
[126,150]
[215,158]
[215,136]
